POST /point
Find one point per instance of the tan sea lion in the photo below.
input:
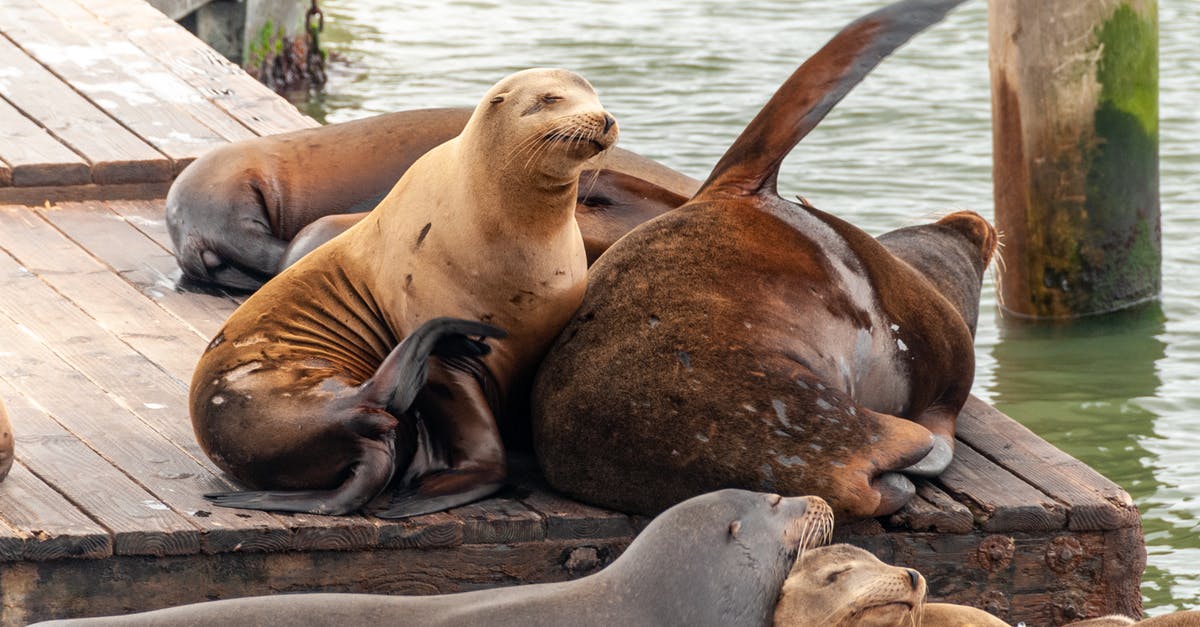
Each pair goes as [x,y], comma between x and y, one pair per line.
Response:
[1187,618]
[235,213]
[844,586]
[717,560]
[609,205]
[743,340]
[297,393]
[6,443]
[951,615]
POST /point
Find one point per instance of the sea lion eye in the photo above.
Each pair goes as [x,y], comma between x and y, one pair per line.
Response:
[550,98]
[833,576]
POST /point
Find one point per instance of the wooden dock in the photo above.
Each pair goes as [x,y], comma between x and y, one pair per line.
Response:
[102,102]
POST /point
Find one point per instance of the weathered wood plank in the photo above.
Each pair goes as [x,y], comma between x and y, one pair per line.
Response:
[140,523]
[312,532]
[500,520]
[431,531]
[221,81]
[39,195]
[933,510]
[92,64]
[1092,501]
[569,520]
[5,174]
[148,70]
[34,156]
[114,304]
[116,155]
[39,524]
[1000,501]
[34,591]
[140,261]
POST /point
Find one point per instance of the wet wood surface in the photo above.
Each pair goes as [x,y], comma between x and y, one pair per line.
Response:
[97,93]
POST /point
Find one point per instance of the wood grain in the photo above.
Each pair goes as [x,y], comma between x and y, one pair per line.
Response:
[33,156]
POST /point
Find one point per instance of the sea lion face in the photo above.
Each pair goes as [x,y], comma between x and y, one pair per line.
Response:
[845,585]
[549,120]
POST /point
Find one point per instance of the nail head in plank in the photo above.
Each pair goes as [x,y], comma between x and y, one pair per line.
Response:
[116,155]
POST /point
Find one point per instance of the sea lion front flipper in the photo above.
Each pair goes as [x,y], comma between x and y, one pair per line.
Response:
[370,474]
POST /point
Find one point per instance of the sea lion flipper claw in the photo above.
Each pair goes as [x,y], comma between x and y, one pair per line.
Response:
[440,491]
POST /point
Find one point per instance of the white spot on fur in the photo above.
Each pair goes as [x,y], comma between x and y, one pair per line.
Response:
[901,345]
[217,400]
[257,338]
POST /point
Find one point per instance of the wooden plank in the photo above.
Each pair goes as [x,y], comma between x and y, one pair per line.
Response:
[149,70]
[500,520]
[74,588]
[116,155]
[39,524]
[114,304]
[569,520]
[221,81]
[34,156]
[91,63]
[5,174]
[1092,501]
[40,195]
[933,510]
[1000,501]
[440,530]
[140,523]
[139,260]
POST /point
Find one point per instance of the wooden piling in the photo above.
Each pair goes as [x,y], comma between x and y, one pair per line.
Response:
[1075,151]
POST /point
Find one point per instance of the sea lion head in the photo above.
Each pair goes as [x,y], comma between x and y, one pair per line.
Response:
[548,120]
[952,253]
[845,585]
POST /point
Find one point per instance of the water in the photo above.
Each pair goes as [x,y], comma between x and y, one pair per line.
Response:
[912,142]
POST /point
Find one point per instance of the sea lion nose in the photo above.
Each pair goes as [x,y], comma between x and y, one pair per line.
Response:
[914,578]
[608,122]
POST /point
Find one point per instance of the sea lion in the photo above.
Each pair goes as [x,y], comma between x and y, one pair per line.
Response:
[715,560]
[842,585]
[288,397]
[951,615]
[609,205]
[743,340]
[6,443]
[233,211]
[1187,618]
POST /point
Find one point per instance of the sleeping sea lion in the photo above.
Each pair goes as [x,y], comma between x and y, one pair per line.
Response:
[294,395]
[844,586]
[233,211]
[717,560]
[743,340]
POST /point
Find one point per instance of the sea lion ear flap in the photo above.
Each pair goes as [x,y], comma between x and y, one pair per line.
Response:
[735,529]
[498,98]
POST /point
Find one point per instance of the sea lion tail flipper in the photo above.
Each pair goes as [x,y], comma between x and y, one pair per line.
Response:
[404,371]
[440,491]
[369,475]
[751,164]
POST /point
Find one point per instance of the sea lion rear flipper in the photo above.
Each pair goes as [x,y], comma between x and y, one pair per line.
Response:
[441,490]
[751,164]
[369,475]
[404,371]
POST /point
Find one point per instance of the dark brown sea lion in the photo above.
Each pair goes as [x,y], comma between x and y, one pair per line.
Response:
[6,443]
[291,395]
[232,212]
[844,586]
[717,560]
[743,340]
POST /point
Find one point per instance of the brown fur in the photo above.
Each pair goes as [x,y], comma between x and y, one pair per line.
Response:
[480,228]
[743,340]
[6,443]
[844,586]
[950,615]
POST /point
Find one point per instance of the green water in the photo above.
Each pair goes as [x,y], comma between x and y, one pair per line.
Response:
[1121,393]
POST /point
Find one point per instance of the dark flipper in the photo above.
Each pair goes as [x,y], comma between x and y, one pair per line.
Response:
[373,410]
[751,164]
[403,373]
[371,473]
[440,491]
